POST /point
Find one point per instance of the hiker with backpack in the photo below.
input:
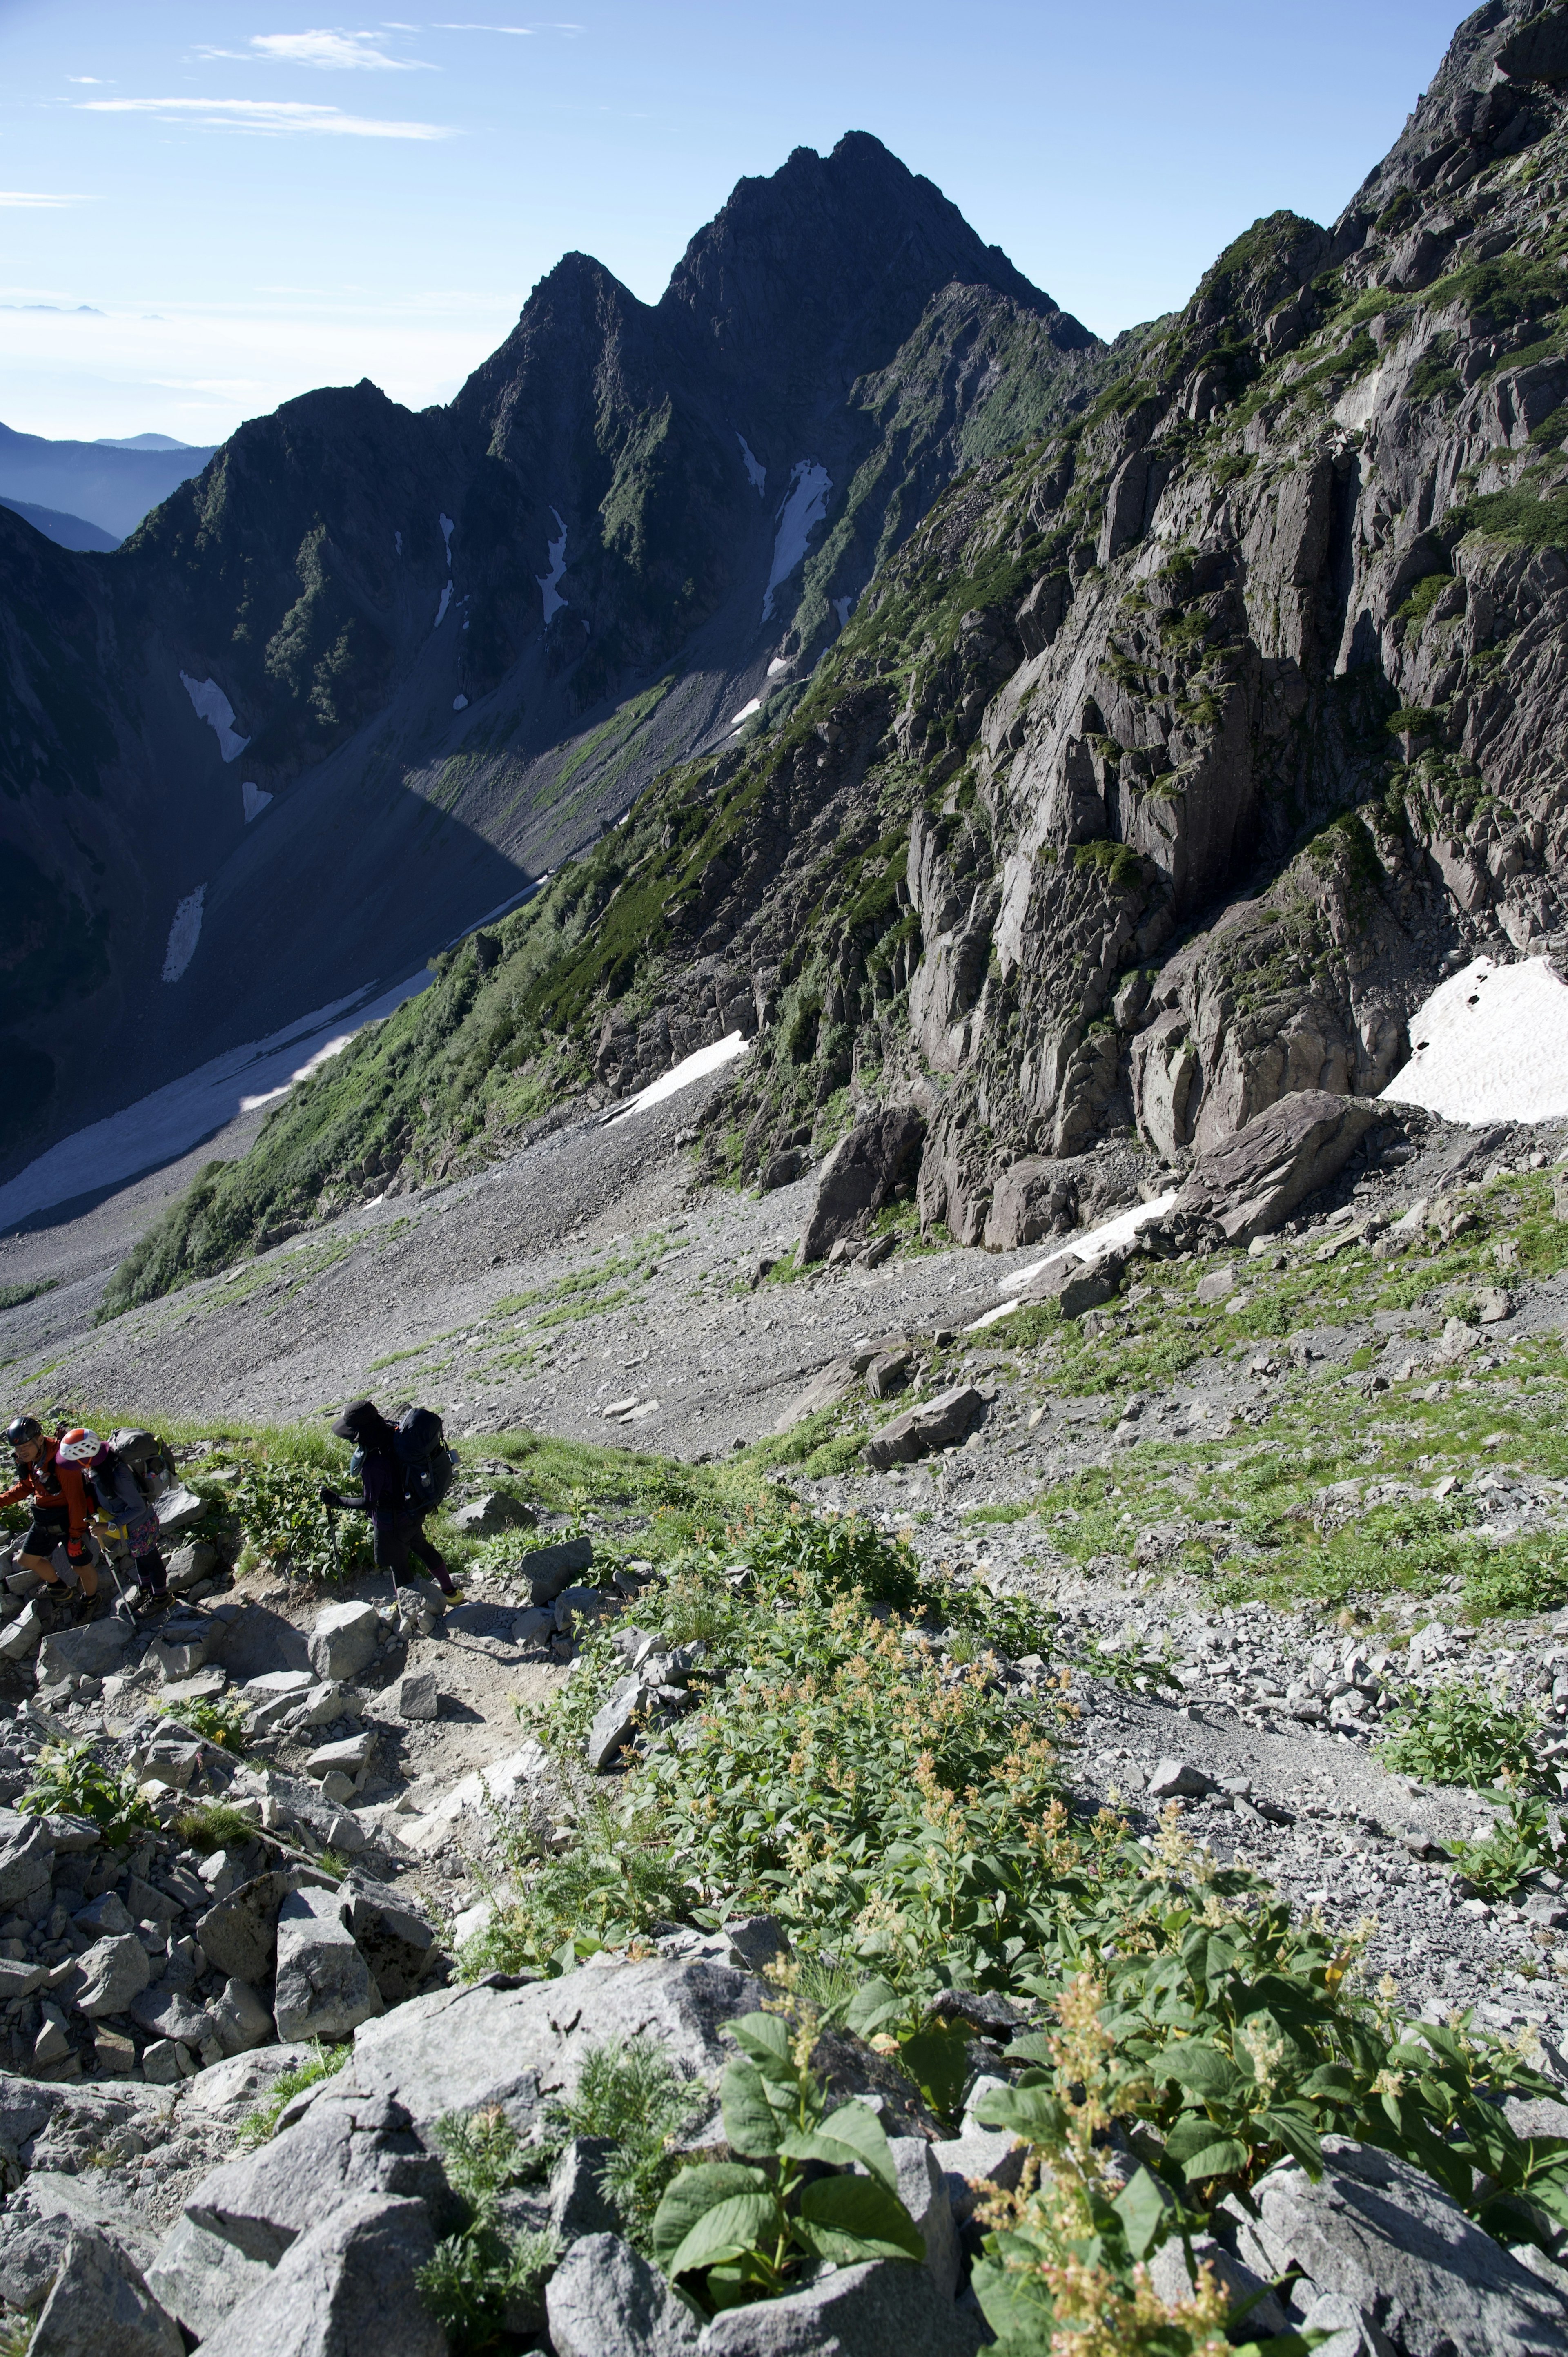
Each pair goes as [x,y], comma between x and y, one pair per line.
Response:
[54,1490]
[124,1518]
[405,1469]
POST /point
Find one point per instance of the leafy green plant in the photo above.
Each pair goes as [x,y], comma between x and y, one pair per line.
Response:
[488,2270]
[633,2096]
[727,2234]
[324,2062]
[282,1515]
[1462,1734]
[1135,1665]
[1522,1842]
[70,1780]
[221,1718]
[609,1889]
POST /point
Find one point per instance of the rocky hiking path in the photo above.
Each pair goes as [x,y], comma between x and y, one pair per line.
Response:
[1172,1455]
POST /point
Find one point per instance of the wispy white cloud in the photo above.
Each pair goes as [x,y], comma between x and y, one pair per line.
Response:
[33,201]
[95,80]
[267,116]
[332,50]
[517,32]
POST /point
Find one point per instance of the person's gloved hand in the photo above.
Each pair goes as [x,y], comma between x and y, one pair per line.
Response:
[76,1551]
[329,1496]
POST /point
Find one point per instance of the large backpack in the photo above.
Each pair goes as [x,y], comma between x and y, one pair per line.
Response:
[429,1466]
[149,1461]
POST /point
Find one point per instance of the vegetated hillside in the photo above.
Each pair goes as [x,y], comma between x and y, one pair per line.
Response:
[1158,774]
[430,655]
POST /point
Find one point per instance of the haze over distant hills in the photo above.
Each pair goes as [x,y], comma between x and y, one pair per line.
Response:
[111,484]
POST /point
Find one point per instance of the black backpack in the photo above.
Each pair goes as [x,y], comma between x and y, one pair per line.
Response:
[149,1461]
[428,1465]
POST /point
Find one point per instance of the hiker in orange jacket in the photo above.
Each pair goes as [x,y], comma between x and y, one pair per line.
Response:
[61,1510]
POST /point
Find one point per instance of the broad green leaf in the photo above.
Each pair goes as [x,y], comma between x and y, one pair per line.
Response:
[1017,2307]
[1208,2073]
[693,2194]
[850,2218]
[765,2037]
[741,2223]
[938,2062]
[753,2122]
[1216,2160]
[874,2004]
[1143,2209]
[1029,2112]
[853,2133]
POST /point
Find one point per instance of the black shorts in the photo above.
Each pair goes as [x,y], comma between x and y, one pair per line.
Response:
[46,1532]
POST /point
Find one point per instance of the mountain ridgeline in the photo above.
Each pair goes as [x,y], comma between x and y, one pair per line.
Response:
[366,676]
[1163,768]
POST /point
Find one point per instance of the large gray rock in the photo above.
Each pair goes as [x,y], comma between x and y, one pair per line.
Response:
[27,1858]
[883,2307]
[860,1175]
[344,1639]
[347,2286]
[551,1569]
[578,2202]
[240,2019]
[1252,1183]
[100,2305]
[398,1946]
[1423,2277]
[923,2190]
[1035,1197]
[324,1987]
[488,1514]
[166,2009]
[615,1722]
[1077,1285]
[177,1510]
[342,2149]
[90,1652]
[22,1636]
[200,2276]
[239,1934]
[936,1423]
[469,2048]
[605,2301]
[107,1977]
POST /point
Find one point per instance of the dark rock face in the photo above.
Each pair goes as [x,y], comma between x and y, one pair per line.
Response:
[860,1176]
[1252,1183]
[415,614]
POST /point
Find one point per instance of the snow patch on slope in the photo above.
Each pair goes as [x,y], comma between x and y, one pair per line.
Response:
[184,934]
[556,552]
[681,1076]
[254,799]
[447,528]
[211,704]
[804,506]
[1490,1044]
[754,469]
[441,609]
[1118,1231]
[745,710]
[175,1118]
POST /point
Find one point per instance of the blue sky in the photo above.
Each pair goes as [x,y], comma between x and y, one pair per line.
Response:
[207,209]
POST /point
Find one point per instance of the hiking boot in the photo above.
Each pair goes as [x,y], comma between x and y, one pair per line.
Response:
[150,1600]
[89,1608]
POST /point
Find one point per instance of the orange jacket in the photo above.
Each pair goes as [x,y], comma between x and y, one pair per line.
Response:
[53,1486]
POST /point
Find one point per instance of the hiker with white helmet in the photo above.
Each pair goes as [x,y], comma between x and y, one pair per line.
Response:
[54,1490]
[123,1519]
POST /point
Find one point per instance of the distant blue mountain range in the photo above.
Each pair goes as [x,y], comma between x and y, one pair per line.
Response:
[109,484]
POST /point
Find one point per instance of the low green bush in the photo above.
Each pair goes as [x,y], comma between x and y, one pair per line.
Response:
[281,1514]
[1462,1733]
[633,2096]
[70,1780]
[487,2269]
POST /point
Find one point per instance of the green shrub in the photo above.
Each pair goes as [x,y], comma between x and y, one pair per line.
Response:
[282,1515]
[1522,1842]
[633,2096]
[221,1718]
[728,2234]
[70,1780]
[478,2272]
[1461,1734]
[213,1826]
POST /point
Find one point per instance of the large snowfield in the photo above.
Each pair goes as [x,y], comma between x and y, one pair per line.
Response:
[1490,1044]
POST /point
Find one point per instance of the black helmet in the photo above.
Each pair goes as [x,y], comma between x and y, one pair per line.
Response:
[22,1429]
[355,1417]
